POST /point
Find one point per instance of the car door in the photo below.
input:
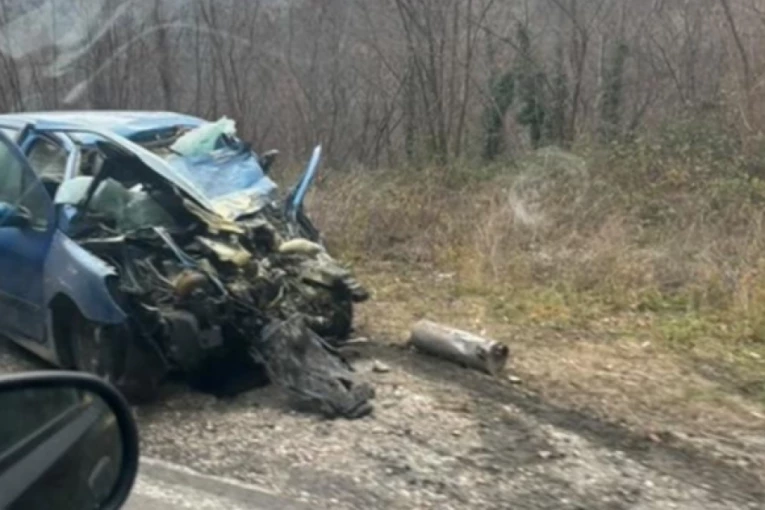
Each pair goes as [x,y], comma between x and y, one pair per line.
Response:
[23,248]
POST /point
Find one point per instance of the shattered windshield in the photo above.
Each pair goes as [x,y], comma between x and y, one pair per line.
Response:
[218,162]
[209,155]
[226,173]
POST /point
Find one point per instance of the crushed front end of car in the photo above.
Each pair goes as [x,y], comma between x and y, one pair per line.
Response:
[212,294]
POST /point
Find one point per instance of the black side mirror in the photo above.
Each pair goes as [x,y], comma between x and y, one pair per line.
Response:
[67,440]
[14,216]
[267,160]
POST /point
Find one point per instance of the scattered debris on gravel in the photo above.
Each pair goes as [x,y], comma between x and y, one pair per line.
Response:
[441,438]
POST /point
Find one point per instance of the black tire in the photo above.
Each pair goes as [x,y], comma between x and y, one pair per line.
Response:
[336,306]
[111,353]
[93,350]
[342,320]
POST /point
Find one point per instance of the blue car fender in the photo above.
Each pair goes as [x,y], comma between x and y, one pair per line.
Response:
[296,197]
[74,272]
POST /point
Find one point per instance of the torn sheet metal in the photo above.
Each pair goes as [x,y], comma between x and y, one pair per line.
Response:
[240,204]
[199,295]
[227,252]
[214,222]
[225,174]
[203,289]
[214,160]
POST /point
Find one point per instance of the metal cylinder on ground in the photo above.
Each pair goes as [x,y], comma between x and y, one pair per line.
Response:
[460,347]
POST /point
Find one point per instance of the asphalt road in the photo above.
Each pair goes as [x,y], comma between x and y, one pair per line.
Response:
[165,486]
[441,437]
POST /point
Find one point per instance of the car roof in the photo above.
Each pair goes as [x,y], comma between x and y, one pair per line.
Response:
[125,123]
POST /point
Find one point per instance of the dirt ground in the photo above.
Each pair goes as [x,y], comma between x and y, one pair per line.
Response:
[591,422]
[443,437]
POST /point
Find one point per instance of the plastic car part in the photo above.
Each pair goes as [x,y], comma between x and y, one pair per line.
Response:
[314,375]
[203,140]
[227,252]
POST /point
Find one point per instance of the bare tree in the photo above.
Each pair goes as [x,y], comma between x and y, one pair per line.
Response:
[383,81]
[746,71]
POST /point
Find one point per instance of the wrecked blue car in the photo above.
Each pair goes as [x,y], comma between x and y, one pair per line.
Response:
[139,244]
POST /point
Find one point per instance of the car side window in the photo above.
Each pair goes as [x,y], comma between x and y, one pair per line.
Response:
[19,187]
[30,408]
[48,159]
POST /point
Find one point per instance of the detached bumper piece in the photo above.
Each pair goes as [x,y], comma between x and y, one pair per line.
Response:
[315,377]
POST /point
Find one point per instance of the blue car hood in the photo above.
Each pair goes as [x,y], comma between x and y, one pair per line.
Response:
[232,180]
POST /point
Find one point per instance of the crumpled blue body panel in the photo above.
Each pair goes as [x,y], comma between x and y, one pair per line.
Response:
[225,173]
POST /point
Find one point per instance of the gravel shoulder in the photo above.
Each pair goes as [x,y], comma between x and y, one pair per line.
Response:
[441,437]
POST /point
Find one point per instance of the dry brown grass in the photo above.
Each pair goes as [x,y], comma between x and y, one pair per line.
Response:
[551,231]
[608,368]
[669,243]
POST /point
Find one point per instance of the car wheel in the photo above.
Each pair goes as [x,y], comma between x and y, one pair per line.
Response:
[95,352]
[108,352]
[336,307]
[342,320]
